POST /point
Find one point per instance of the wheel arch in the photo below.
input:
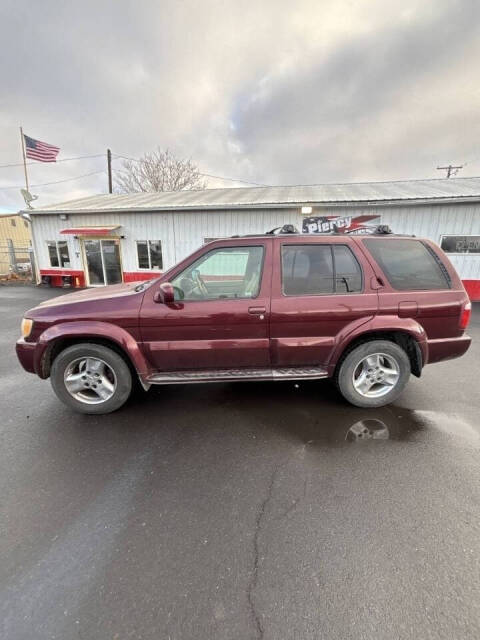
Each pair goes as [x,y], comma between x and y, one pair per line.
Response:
[59,337]
[401,337]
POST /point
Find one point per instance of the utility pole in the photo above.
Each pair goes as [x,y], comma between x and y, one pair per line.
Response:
[451,169]
[109,170]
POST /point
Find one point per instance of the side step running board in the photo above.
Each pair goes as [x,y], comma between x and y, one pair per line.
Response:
[229,375]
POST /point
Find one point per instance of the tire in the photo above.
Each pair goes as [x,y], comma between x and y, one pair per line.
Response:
[91,378]
[368,384]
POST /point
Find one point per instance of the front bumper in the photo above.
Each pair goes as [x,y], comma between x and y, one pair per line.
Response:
[447,348]
[26,354]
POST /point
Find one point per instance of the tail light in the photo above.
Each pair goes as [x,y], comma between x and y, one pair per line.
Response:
[465,317]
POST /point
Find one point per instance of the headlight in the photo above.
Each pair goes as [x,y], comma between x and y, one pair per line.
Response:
[27,325]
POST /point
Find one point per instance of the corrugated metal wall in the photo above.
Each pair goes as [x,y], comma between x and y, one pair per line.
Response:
[183,232]
[180,233]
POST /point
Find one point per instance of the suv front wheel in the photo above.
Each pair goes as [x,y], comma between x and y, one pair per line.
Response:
[373,374]
[91,378]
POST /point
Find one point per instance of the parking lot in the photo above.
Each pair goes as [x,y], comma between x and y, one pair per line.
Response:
[238,511]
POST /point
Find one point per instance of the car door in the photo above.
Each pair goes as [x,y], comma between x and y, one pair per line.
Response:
[220,316]
[321,291]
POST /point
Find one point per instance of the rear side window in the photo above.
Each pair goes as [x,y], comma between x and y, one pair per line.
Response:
[318,269]
[348,275]
[409,264]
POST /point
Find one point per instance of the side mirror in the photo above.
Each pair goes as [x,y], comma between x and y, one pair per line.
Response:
[165,294]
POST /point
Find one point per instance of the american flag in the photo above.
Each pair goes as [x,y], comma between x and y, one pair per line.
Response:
[37,150]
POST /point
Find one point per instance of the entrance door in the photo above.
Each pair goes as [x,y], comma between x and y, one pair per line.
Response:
[103,261]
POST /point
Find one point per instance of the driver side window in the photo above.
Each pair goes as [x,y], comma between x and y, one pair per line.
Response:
[226,272]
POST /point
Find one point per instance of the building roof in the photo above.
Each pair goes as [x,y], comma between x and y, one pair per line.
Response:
[438,190]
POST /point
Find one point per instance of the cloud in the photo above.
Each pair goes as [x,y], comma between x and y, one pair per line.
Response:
[273,92]
[354,106]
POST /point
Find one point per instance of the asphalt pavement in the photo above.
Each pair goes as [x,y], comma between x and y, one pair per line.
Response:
[239,511]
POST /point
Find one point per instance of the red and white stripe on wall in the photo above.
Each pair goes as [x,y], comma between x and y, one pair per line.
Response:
[136,276]
[79,279]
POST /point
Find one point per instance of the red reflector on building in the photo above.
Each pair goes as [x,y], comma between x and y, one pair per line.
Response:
[90,231]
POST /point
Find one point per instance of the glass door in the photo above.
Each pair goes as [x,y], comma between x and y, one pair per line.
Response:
[111,261]
[103,262]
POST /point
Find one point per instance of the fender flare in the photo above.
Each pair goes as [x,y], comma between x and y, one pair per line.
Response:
[385,324]
[91,330]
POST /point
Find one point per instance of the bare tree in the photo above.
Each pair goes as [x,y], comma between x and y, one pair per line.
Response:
[158,171]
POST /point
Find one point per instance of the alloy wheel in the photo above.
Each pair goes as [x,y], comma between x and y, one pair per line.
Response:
[90,380]
[376,375]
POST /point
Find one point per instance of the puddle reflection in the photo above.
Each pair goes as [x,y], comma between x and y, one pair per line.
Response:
[357,426]
[387,423]
[369,429]
[402,424]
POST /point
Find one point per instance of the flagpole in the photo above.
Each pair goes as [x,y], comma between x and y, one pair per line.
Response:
[24,158]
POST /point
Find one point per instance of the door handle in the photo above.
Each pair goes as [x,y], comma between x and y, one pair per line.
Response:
[256,311]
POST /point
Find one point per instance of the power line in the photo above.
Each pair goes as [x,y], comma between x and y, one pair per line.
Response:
[20,164]
[118,155]
[46,184]
[209,175]
[205,175]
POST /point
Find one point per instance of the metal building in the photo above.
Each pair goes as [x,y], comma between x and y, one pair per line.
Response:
[112,238]
[14,244]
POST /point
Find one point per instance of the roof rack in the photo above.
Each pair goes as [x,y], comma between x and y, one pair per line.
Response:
[289,229]
[379,230]
[276,231]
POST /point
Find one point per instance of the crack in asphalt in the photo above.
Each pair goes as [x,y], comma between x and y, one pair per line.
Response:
[259,631]
[295,502]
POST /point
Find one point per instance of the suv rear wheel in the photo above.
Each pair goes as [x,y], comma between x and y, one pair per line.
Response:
[373,374]
[91,378]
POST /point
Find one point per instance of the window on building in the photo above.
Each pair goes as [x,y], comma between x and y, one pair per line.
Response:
[13,222]
[142,254]
[226,272]
[52,252]
[25,223]
[409,264]
[149,254]
[461,244]
[58,253]
[319,269]
[63,254]
[156,261]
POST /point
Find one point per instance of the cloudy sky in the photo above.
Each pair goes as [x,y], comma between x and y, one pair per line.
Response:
[272,92]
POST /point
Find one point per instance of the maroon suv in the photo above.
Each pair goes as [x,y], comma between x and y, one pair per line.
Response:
[364,310]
